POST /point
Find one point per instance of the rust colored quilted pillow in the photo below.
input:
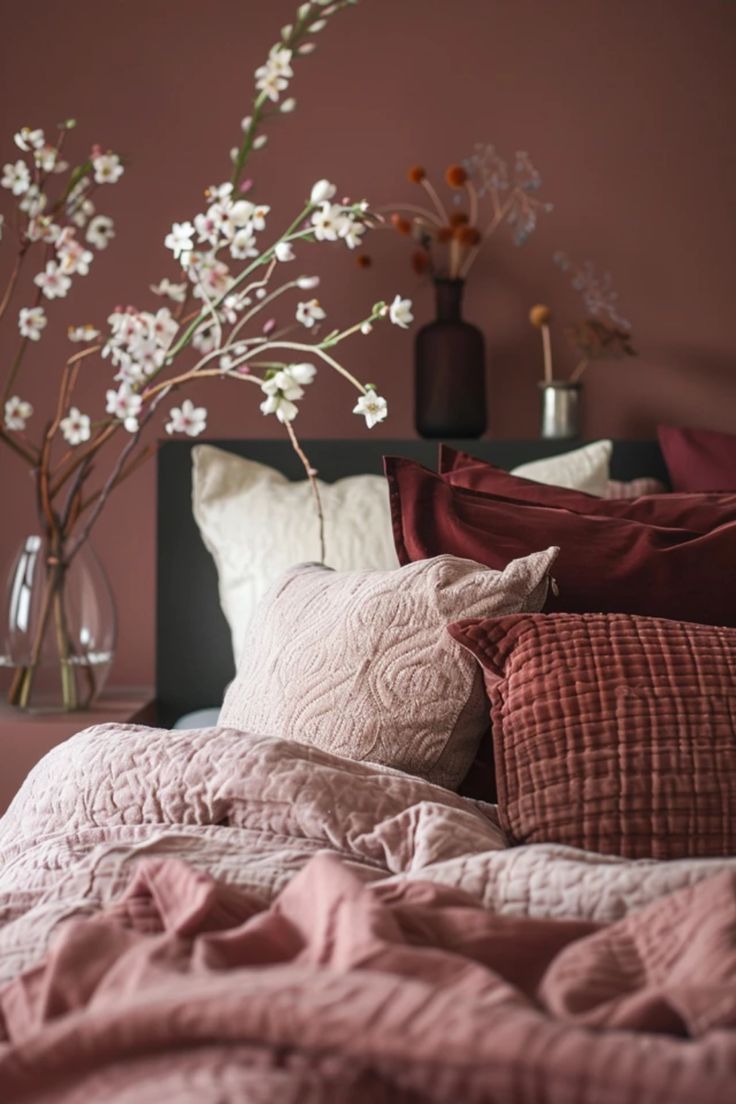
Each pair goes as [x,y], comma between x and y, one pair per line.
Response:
[611,732]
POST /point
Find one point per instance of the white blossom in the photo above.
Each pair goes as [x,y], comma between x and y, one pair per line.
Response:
[16,178]
[47,159]
[31,321]
[351,231]
[288,105]
[326,221]
[219,193]
[366,328]
[306,283]
[302,373]
[27,139]
[321,192]
[176,292]
[283,251]
[41,228]
[273,77]
[125,405]
[243,244]
[284,409]
[75,427]
[259,141]
[84,333]
[372,406]
[17,413]
[33,201]
[53,282]
[187,418]
[259,216]
[310,312]
[163,327]
[100,231]
[73,257]
[180,240]
[400,312]
[107,167]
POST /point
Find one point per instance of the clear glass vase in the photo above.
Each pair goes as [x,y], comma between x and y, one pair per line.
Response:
[60,627]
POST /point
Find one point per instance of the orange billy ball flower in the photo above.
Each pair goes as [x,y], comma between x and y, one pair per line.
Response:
[540,315]
[363,260]
[416,174]
[400,223]
[458,218]
[468,235]
[455,175]
[420,261]
[444,234]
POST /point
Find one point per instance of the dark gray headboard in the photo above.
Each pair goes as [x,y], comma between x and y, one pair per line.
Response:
[193,654]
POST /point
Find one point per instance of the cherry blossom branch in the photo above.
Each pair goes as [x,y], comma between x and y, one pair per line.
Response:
[24,451]
[113,477]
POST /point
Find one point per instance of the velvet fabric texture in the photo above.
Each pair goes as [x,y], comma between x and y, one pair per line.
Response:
[612,733]
[359,663]
[606,564]
[699,459]
[699,513]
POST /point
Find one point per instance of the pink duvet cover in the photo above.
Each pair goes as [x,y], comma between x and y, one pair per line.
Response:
[238,918]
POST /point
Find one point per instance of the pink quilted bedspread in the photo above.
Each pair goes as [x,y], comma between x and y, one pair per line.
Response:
[219,917]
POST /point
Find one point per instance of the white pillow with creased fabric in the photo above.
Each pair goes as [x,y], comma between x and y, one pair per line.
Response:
[256,524]
[583,469]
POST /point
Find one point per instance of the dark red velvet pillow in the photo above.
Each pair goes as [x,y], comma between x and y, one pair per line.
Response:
[697,512]
[612,733]
[609,565]
[699,459]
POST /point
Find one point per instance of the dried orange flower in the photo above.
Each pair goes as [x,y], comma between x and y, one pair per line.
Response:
[540,315]
[403,225]
[468,235]
[420,261]
[416,174]
[363,260]
[455,175]
[444,234]
[458,218]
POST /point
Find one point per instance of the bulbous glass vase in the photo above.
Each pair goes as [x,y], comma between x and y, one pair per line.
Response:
[59,629]
[450,370]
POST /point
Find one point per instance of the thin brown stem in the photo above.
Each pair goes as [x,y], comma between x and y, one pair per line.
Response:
[578,370]
[312,477]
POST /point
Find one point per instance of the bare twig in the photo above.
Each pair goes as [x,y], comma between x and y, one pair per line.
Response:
[312,477]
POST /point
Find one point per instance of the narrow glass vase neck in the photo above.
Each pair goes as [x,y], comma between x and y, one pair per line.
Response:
[449,299]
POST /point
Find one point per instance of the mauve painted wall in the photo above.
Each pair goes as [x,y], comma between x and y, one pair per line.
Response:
[626,106]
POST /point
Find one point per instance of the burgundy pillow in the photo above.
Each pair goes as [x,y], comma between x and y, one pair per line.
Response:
[696,512]
[612,733]
[699,459]
[606,564]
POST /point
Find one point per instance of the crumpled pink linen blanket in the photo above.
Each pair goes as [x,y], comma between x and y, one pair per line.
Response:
[344,990]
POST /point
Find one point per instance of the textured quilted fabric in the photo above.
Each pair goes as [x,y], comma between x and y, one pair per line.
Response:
[359,663]
[256,524]
[612,733]
[252,811]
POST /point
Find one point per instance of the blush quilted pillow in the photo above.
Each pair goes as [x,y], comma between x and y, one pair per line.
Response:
[612,733]
[359,663]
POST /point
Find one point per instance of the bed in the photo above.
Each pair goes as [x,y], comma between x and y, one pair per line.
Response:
[221,915]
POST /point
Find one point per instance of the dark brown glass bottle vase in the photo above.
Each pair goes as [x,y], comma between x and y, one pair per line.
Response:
[450,370]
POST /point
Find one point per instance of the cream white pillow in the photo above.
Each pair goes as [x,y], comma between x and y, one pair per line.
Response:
[256,524]
[584,469]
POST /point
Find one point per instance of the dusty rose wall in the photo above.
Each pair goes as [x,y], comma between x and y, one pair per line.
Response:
[625,105]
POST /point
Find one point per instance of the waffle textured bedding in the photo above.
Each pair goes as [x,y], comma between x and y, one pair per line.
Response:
[211,916]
